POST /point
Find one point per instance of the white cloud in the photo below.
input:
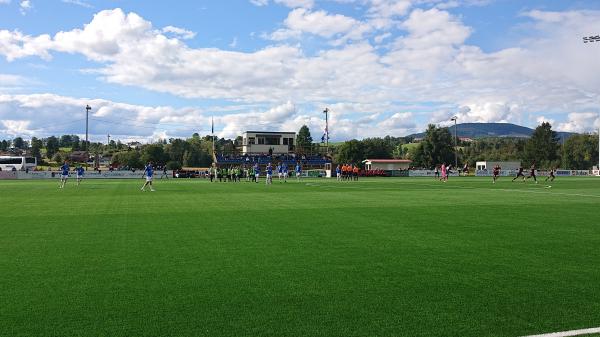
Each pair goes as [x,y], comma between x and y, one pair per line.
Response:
[581,122]
[320,23]
[431,62]
[296,3]
[78,3]
[543,119]
[259,2]
[15,128]
[234,42]
[25,6]
[287,3]
[179,32]
[4,2]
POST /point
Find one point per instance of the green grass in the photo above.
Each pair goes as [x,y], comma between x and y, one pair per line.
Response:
[381,257]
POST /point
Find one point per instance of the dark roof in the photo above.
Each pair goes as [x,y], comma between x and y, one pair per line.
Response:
[270,132]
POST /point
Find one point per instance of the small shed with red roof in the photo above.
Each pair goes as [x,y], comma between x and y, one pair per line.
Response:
[387,164]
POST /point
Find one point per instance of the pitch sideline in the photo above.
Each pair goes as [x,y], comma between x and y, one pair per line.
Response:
[580,332]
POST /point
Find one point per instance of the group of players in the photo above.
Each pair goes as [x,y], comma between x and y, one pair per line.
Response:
[252,173]
[64,174]
[65,170]
[551,174]
[347,172]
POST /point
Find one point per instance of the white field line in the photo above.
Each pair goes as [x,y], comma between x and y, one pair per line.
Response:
[580,332]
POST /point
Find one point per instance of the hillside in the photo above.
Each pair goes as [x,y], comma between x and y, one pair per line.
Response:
[481,130]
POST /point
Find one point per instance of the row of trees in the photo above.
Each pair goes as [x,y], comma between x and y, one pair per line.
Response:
[580,151]
[543,147]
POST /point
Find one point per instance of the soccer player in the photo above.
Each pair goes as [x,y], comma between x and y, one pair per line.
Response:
[519,174]
[338,173]
[532,173]
[269,174]
[256,172]
[496,173]
[465,169]
[279,172]
[298,171]
[285,172]
[551,175]
[64,174]
[80,172]
[355,171]
[148,173]
[437,172]
[213,173]
[444,173]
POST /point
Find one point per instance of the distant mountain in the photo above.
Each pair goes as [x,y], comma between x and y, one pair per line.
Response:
[482,130]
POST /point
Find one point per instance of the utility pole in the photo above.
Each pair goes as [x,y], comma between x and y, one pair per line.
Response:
[108,139]
[326,112]
[87,112]
[455,118]
[591,39]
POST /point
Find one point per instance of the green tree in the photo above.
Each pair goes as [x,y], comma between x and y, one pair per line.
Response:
[19,143]
[195,157]
[377,148]
[435,149]
[4,145]
[36,147]
[66,141]
[399,152]
[130,159]
[304,140]
[58,157]
[176,149]
[154,153]
[542,147]
[351,152]
[580,152]
[51,146]
[75,143]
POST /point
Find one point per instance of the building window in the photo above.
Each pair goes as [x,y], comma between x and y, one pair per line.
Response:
[261,141]
[285,141]
[273,140]
[251,141]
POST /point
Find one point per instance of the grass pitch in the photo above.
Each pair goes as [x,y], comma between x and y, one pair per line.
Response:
[379,257]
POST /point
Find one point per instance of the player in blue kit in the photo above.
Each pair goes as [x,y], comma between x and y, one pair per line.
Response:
[64,174]
[256,172]
[148,173]
[298,171]
[80,172]
[285,172]
[279,169]
[269,174]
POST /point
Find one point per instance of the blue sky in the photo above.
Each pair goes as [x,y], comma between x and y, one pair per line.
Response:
[156,69]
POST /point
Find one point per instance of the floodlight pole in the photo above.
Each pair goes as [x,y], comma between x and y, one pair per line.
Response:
[455,118]
[87,112]
[591,39]
[326,112]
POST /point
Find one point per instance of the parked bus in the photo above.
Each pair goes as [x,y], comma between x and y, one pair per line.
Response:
[9,163]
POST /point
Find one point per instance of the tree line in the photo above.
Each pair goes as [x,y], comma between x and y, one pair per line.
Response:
[579,151]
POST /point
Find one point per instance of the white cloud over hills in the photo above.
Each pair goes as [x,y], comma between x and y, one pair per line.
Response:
[393,55]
